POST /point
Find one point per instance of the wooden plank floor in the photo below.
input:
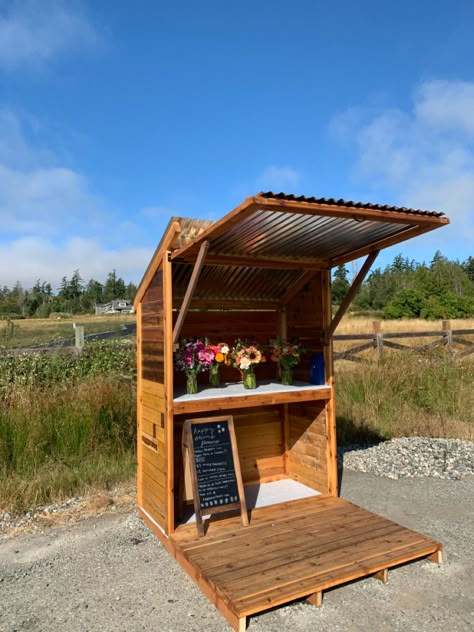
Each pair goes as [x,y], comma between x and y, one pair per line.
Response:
[292,550]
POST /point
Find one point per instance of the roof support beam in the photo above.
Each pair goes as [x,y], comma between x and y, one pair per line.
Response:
[350,294]
[190,290]
[350,212]
[249,261]
[414,231]
[220,227]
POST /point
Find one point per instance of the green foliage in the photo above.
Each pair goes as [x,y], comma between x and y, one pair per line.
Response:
[442,289]
[406,303]
[340,284]
[73,296]
[67,422]
[106,357]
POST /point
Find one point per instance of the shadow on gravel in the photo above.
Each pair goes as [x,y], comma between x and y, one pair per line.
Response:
[351,436]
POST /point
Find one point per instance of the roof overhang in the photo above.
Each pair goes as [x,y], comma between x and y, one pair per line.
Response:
[272,242]
[285,232]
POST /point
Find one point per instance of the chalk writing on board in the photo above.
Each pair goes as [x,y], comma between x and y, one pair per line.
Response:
[215,471]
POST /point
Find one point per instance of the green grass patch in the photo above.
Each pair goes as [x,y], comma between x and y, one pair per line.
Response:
[67,423]
[405,395]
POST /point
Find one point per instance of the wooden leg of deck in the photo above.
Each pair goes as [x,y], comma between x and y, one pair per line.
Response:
[316,599]
[382,575]
[242,625]
[436,557]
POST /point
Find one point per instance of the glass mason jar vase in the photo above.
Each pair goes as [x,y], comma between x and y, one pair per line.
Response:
[191,383]
[287,375]
[214,375]
[249,380]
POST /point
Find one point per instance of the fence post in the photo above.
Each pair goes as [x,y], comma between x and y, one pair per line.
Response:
[79,331]
[377,328]
[447,333]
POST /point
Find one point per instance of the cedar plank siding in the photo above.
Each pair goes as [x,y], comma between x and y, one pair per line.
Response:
[151,411]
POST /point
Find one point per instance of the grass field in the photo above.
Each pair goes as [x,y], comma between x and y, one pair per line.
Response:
[67,422]
[34,331]
[356,325]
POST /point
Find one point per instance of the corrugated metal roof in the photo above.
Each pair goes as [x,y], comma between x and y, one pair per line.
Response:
[261,249]
[347,203]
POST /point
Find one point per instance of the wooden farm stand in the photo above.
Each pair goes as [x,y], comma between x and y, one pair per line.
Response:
[263,270]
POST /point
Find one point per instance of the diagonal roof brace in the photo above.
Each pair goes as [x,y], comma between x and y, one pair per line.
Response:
[190,290]
[350,295]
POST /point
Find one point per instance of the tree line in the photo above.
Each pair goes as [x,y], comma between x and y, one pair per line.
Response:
[74,296]
[407,289]
[403,289]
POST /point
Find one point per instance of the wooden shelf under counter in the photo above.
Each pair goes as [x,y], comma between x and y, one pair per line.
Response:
[234,395]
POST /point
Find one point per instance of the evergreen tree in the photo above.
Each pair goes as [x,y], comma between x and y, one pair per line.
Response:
[340,284]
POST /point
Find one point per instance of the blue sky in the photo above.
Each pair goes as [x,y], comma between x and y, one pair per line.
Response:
[115,115]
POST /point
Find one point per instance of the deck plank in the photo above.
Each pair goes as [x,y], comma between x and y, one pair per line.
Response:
[352,570]
[293,550]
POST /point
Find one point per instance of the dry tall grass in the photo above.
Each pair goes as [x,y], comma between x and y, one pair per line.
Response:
[405,394]
[359,325]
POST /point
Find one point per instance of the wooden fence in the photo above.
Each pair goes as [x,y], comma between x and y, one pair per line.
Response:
[452,340]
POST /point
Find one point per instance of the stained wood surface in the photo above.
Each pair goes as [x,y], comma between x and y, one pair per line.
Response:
[258,433]
[248,398]
[307,444]
[293,550]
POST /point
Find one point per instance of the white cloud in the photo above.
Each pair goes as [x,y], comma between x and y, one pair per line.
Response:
[32,32]
[48,213]
[424,157]
[38,196]
[41,258]
[278,178]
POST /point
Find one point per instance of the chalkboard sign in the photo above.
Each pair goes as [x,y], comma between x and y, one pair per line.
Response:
[215,468]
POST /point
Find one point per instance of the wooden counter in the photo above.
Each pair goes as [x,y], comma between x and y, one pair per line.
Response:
[234,395]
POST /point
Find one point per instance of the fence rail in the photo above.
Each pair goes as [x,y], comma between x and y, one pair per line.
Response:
[451,339]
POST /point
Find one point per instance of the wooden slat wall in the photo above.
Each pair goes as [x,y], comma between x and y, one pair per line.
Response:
[259,442]
[307,445]
[304,320]
[227,326]
[152,464]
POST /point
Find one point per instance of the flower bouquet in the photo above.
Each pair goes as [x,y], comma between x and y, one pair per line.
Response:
[192,357]
[288,355]
[221,356]
[245,357]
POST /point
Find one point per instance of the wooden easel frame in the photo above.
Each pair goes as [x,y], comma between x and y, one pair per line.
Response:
[187,445]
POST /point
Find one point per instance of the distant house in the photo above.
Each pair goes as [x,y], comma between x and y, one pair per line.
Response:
[116,306]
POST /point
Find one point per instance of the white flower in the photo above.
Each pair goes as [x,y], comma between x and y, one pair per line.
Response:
[225,349]
[244,363]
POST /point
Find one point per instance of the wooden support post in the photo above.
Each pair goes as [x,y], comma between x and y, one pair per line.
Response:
[242,624]
[79,333]
[377,327]
[316,599]
[382,575]
[139,406]
[350,294]
[190,290]
[447,333]
[436,557]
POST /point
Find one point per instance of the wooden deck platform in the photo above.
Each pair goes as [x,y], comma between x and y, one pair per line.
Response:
[292,550]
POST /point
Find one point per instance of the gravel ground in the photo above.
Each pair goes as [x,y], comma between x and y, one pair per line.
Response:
[412,457]
[109,573]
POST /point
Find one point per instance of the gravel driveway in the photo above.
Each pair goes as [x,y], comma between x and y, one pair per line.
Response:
[110,574]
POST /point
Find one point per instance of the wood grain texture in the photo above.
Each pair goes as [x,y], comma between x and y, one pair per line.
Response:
[330,403]
[293,550]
